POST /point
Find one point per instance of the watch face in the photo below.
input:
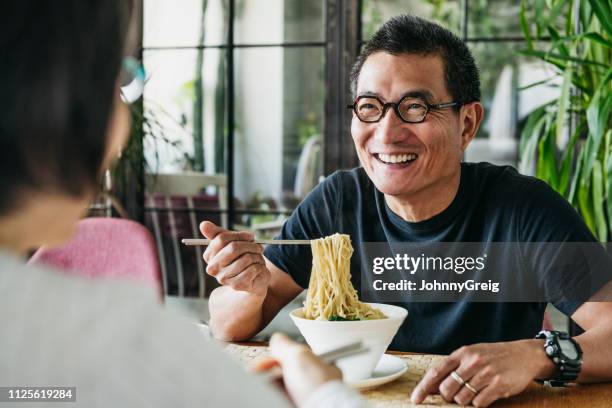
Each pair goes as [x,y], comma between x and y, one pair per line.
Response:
[568,348]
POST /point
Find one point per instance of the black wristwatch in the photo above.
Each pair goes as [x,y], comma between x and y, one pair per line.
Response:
[565,353]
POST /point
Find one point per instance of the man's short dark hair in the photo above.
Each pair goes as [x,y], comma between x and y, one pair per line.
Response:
[407,34]
[59,64]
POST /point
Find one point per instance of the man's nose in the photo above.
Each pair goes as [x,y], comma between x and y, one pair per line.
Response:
[389,129]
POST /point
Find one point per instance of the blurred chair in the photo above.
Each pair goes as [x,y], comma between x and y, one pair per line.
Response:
[501,146]
[309,167]
[175,204]
[107,248]
[309,173]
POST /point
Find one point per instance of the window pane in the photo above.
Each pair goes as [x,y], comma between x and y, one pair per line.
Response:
[278,21]
[502,73]
[376,12]
[181,83]
[501,18]
[498,18]
[179,23]
[279,122]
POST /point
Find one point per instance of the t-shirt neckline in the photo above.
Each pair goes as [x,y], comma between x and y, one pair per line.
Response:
[440,220]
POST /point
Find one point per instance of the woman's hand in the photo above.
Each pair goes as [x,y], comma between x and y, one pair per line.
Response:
[303,372]
[491,370]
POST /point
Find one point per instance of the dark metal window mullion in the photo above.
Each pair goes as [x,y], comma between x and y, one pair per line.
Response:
[342,38]
[225,46]
[229,162]
[464,20]
[503,39]
[464,35]
[218,211]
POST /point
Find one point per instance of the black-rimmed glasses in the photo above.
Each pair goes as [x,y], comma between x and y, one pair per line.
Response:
[370,109]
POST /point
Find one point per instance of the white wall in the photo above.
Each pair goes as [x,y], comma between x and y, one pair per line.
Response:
[259,97]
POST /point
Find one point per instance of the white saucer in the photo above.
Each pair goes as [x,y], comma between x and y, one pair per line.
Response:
[388,369]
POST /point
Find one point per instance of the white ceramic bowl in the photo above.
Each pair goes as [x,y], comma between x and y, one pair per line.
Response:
[323,335]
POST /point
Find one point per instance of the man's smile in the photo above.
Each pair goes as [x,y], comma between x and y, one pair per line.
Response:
[396,160]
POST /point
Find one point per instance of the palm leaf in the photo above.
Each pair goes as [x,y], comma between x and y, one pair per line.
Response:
[586,209]
[567,161]
[598,117]
[563,102]
[555,10]
[557,42]
[577,178]
[542,82]
[529,132]
[525,25]
[591,36]
[549,56]
[608,175]
[539,8]
[531,145]
[601,226]
[547,162]
[603,11]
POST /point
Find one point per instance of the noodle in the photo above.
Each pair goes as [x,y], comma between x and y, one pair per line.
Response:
[331,295]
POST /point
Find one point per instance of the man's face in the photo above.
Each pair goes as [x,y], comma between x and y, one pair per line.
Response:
[436,142]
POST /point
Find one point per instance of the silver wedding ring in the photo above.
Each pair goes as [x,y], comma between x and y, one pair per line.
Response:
[469,387]
[457,378]
[462,382]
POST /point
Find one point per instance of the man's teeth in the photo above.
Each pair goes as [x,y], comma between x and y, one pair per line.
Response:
[397,158]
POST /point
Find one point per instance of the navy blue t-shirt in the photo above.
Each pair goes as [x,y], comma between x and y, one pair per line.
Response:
[493,204]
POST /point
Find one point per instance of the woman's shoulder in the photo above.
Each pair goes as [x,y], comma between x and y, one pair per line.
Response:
[107,337]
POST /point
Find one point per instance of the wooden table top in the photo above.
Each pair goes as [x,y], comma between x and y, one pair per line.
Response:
[397,393]
[394,394]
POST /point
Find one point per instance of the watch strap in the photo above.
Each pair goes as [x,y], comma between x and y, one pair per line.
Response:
[567,370]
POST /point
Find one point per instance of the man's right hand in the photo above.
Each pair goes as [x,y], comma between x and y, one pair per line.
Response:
[235,260]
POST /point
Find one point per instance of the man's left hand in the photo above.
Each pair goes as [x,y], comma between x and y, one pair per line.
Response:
[491,370]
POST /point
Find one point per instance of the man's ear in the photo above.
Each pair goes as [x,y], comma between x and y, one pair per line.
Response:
[471,115]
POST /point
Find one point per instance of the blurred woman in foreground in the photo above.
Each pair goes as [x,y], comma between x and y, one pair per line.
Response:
[62,123]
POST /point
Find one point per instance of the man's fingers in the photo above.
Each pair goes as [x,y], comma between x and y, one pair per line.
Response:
[450,386]
[223,239]
[464,396]
[243,280]
[433,378]
[470,364]
[481,379]
[243,261]
[233,251]
[477,382]
[210,229]
[486,397]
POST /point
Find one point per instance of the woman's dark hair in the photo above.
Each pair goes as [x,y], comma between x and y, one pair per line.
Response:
[59,64]
[407,34]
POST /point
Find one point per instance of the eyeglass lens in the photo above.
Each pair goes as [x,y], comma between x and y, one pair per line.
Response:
[371,109]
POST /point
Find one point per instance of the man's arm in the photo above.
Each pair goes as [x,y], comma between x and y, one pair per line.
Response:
[255,288]
[499,370]
[239,315]
[596,320]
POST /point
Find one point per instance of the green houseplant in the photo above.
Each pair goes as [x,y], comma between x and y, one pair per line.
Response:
[570,138]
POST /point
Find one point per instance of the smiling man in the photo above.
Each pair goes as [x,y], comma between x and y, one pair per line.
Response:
[415,111]
[413,155]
